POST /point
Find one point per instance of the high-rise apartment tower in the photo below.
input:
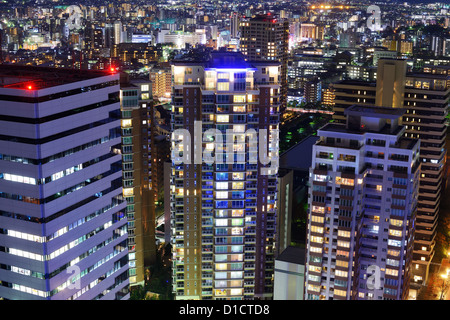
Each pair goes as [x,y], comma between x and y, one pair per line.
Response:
[223,213]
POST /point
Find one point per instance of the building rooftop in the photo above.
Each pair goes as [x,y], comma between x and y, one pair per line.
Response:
[33,78]
[299,156]
[353,82]
[223,60]
[293,255]
[267,17]
[374,112]
[228,60]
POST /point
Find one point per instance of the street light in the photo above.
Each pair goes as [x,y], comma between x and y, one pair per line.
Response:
[445,284]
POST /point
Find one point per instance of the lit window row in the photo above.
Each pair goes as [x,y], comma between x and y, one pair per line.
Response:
[25,236]
[30,290]
[17,178]
[75,242]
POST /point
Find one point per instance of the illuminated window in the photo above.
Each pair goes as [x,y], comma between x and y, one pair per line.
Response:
[314,268]
[222,195]
[17,178]
[344,244]
[223,75]
[319,177]
[341,263]
[236,292]
[221,185]
[317,239]
[222,118]
[239,98]
[342,233]
[313,287]
[238,176]
[340,293]
[237,185]
[342,253]
[394,253]
[316,229]
[318,209]
[223,86]
[221,266]
[395,233]
[341,273]
[237,213]
[392,272]
[128,192]
[239,109]
[315,249]
[237,231]
[126,123]
[345,181]
[317,219]
[237,222]
[397,223]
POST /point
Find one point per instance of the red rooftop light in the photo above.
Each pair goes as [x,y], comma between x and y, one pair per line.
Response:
[30,87]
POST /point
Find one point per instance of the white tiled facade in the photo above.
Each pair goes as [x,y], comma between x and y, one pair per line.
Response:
[63,221]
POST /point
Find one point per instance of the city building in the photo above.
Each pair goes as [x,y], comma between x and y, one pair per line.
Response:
[362,208]
[161,78]
[349,92]
[425,97]
[136,124]
[139,52]
[313,91]
[266,37]
[426,100]
[284,207]
[64,227]
[289,277]
[223,213]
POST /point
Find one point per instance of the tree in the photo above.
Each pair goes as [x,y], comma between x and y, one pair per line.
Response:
[138,293]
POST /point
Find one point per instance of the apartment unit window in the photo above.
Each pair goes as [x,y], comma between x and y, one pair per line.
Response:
[318,209]
[223,86]
[341,273]
[222,118]
[345,181]
[340,292]
[239,99]
[223,75]
[321,178]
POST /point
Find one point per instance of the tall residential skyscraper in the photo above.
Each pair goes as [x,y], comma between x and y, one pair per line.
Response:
[266,37]
[223,213]
[426,101]
[234,24]
[63,223]
[362,207]
[136,108]
[425,97]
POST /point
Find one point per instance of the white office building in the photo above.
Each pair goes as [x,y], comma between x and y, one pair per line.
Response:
[63,226]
